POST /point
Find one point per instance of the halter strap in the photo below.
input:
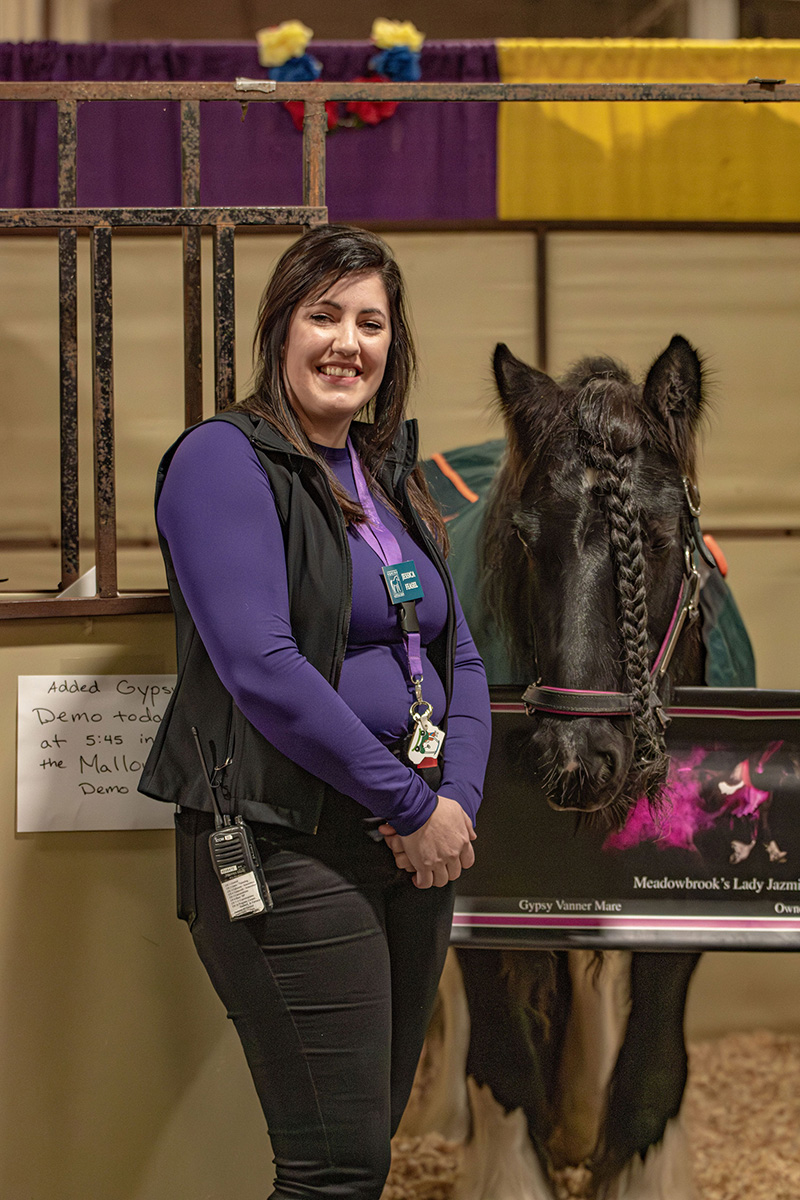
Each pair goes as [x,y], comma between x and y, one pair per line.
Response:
[573,702]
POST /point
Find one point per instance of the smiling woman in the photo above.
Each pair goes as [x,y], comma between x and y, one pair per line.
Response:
[329,693]
[336,355]
[356,273]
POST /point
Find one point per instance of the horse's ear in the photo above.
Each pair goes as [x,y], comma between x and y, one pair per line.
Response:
[523,390]
[674,385]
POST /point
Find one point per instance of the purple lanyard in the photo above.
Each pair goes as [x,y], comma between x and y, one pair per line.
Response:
[386,546]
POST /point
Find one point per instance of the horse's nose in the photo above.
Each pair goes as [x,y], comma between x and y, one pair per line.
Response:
[601,766]
[585,762]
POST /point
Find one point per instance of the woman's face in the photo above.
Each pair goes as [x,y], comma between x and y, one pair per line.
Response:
[335,355]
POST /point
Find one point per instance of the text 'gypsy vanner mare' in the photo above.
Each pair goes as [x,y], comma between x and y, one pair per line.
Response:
[590,546]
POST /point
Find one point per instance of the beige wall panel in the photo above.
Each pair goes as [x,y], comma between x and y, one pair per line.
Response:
[29,495]
[120,1076]
[742,991]
[255,260]
[468,292]
[764,575]
[148,350]
[31,570]
[140,569]
[737,298]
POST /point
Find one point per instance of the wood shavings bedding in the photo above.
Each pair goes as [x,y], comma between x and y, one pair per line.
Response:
[423,1168]
[742,1116]
[741,1112]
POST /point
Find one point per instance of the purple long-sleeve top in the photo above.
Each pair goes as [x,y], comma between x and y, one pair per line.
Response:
[218,515]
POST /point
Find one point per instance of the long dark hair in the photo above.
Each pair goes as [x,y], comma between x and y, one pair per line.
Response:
[308,268]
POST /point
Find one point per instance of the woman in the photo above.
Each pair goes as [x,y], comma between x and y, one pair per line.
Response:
[302,551]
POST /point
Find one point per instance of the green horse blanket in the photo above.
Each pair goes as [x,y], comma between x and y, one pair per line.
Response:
[461,481]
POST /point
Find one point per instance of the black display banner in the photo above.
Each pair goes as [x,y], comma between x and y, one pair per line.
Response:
[716,866]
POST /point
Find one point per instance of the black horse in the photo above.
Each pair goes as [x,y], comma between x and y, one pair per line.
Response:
[588,561]
[588,540]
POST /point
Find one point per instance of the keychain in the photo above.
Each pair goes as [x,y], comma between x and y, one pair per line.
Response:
[426,740]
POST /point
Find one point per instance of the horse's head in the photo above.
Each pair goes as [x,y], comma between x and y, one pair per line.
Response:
[587,560]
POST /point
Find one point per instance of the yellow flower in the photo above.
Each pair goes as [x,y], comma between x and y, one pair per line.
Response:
[386,34]
[278,43]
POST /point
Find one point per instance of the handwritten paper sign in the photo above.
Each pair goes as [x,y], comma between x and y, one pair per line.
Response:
[82,741]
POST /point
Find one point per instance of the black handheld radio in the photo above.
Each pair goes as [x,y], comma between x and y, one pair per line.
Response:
[235,858]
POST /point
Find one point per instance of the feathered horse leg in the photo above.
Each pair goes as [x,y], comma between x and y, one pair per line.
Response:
[598,1019]
[497,1158]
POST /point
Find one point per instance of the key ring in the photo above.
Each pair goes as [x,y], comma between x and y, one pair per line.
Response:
[427,708]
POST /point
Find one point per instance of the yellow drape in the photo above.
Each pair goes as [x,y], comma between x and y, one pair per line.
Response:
[649,160]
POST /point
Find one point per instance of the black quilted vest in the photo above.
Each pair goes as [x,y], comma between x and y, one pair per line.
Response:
[260,783]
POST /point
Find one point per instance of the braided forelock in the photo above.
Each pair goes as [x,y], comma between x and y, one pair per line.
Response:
[614,480]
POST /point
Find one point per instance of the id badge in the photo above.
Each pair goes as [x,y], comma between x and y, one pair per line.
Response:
[402,582]
[426,744]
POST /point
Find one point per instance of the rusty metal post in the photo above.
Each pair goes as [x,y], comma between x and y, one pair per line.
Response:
[161,218]
[542,300]
[315,128]
[755,91]
[192,273]
[224,316]
[68,343]
[105,515]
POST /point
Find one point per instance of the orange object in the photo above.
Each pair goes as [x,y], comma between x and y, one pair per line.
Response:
[719,557]
[455,479]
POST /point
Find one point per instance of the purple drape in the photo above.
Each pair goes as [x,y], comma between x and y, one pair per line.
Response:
[427,162]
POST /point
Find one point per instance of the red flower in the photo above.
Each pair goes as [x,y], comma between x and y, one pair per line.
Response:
[296,110]
[372,112]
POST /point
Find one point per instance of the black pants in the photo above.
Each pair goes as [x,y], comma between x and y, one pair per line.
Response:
[330,992]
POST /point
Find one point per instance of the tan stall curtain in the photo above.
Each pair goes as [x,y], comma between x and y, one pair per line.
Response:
[651,160]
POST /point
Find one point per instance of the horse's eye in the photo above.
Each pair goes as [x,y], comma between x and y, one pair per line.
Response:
[659,540]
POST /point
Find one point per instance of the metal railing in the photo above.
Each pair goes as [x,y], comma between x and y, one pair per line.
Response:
[67,219]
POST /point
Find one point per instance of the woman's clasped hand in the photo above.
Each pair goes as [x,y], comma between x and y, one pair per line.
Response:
[439,850]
